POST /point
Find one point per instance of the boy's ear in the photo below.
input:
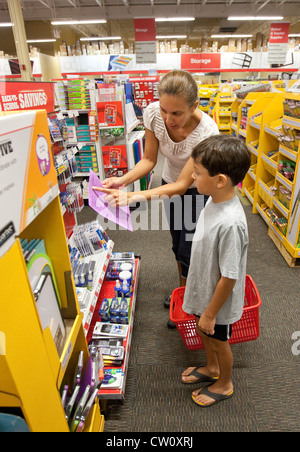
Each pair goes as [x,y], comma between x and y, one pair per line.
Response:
[221,180]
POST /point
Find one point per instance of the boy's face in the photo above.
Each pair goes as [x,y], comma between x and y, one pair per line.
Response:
[205,183]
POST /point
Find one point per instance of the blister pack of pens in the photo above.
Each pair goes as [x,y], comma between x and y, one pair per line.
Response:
[90,238]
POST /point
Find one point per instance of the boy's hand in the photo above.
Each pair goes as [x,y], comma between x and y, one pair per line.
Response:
[206,324]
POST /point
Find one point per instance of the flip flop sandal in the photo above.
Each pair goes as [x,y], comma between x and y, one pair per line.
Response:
[217,397]
[200,377]
[167,302]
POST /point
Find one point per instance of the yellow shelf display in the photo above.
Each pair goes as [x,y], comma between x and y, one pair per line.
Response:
[33,369]
[204,94]
[262,109]
[220,108]
[272,184]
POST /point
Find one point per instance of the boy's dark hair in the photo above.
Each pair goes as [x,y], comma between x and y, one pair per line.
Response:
[223,154]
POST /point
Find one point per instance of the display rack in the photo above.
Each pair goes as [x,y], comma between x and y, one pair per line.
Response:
[205,92]
[220,108]
[256,109]
[33,369]
[272,183]
[107,291]
[101,266]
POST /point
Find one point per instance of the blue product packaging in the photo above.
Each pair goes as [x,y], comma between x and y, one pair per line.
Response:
[114,307]
[125,276]
[115,319]
[125,290]
[117,288]
[124,307]
[104,313]
[123,320]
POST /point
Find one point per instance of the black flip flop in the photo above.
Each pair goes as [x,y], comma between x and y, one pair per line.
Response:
[167,302]
[201,378]
[216,397]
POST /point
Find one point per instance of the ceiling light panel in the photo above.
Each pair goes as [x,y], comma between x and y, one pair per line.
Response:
[78,22]
[255,18]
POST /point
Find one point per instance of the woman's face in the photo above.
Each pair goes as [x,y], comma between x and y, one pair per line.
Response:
[175,111]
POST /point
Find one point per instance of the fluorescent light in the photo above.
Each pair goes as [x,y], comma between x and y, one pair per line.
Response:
[78,22]
[5,24]
[231,36]
[174,19]
[255,18]
[103,38]
[294,35]
[40,40]
[171,36]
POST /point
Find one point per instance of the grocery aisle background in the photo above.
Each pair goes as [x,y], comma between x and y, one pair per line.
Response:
[266,373]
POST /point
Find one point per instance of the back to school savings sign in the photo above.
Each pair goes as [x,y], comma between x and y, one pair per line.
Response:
[26,96]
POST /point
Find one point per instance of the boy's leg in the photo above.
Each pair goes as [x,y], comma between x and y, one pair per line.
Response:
[224,357]
[211,369]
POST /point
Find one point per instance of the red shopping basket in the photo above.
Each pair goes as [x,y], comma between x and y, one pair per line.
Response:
[246,329]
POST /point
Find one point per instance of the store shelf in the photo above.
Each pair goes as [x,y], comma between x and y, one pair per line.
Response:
[102,260]
[107,291]
[119,394]
[274,167]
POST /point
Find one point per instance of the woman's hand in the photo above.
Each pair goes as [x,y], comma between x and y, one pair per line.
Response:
[113,182]
[115,197]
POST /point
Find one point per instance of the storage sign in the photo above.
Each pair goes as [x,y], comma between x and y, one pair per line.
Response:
[145,41]
[200,61]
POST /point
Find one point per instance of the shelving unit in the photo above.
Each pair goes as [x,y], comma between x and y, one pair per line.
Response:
[101,266]
[272,183]
[205,92]
[220,108]
[108,292]
[261,109]
[32,369]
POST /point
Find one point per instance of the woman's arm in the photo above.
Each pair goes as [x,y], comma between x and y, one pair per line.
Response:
[121,198]
[142,168]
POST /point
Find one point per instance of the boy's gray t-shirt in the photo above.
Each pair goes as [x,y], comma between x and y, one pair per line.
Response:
[219,248]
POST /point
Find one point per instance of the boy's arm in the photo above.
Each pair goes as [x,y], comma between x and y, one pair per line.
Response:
[207,321]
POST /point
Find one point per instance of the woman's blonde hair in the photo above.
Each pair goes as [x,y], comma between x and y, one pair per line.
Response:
[179,83]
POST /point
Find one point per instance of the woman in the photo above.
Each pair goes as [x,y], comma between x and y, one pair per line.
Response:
[173,126]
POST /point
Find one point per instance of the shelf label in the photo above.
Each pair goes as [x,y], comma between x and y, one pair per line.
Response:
[67,356]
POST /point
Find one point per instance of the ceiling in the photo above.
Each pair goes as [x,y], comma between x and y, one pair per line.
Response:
[211,15]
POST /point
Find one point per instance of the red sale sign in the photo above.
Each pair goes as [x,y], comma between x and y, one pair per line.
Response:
[200,61]
[26,96]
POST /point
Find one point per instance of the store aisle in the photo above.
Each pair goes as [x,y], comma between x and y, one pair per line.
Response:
[266,372]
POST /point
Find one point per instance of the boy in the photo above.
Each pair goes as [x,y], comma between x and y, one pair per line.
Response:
[216,280]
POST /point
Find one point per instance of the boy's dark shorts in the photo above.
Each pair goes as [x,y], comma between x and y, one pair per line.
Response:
[222,332]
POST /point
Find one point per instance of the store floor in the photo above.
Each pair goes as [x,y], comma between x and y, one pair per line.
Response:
[266,372]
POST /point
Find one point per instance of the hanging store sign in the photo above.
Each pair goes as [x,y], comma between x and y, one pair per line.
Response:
[145,41]
[26,96]
[200,61]
[278,42]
